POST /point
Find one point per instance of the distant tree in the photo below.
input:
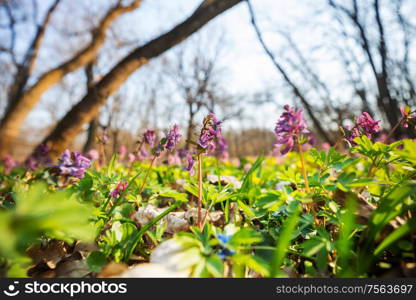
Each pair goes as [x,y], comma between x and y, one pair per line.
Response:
[83,112]
[22,98]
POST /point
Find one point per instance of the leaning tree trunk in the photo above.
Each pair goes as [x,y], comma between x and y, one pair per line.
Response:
[25,69]
[92,133]
[83,112]
[93,126]
[18,110]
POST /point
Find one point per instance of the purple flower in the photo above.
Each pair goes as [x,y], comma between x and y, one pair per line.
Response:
[190,167]
[39,158]
[409,118]
[157,151]
[222,147]
[368,125]
[365,125]
[149,137]
[73,164]
[289,127]
[142,153]
[121,186]
[8,162]
[210,133]
[172,138]
[182,153]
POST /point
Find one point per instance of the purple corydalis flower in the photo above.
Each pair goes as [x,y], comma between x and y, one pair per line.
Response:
[365,125]
[172,138]
[149,137]
[8,162]
[182,153]
[408,117]
[121,186]
[222,147]
[211,131]
[289,127]
[157,151]
[191,161]
[39,158]
[73,164]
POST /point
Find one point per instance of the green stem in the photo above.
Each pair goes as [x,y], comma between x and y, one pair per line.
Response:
[121,195]
[199,223]
[147,175]
[136,238]
[302,161]
[393,130]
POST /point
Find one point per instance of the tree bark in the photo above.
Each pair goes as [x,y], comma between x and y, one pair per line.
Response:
[19,109]
[93,126]
[83,112]
[25,69]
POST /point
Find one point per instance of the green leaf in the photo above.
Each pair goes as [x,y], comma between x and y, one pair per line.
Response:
[96,261]
[247,210]
[247,177]
[245,236]
[111,164]
[312,246]
[395,236]
[175,195]
[215,266]
[283,242]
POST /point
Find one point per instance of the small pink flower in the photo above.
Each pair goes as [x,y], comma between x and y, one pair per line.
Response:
[122,150]
[325,146]
[365,125]
[131,157]
[121,186]
[93,154]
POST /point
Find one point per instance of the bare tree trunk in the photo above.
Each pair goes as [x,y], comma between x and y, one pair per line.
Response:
[20,108]
[92,133]
[83,112]
[93,126]
[25,69]
[385,101]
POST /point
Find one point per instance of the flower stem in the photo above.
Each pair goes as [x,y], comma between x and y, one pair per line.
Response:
[147,174]
[302,161]
[199,222]
[393,130]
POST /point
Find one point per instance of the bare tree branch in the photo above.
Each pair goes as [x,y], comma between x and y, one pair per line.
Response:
[82,113]
[289,81]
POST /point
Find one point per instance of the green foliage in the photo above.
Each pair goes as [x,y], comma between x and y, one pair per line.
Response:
[39,213]
[362,218]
